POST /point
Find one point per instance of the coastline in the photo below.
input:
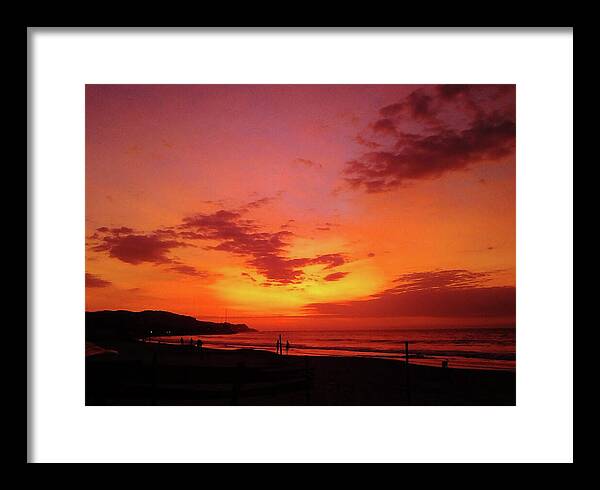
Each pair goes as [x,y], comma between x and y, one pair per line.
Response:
[166,374]
[464,348]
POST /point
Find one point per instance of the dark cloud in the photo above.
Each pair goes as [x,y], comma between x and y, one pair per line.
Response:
[384,126]
[450,91]
[282,270]
[437,129]
[223,230]
[326,226]
[458,278]
[418,105]
[336,276]
[116,231]
[168,231]
[188,270]
[259,203]
[329,260]
[137,248]
[266,251]
[245,274]
[373,145]
[453,293]
[93,281]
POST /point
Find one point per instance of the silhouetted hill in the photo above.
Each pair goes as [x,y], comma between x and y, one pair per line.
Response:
[123,324]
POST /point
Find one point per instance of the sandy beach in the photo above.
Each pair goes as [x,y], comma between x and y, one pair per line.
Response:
[163,374]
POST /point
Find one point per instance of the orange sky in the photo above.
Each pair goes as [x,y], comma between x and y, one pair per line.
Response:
[303,206]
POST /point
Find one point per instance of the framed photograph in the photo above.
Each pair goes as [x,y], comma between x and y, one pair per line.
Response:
[241,235]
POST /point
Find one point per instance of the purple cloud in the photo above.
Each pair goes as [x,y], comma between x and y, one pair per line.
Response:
[435,130]
[266,251]
[452,293]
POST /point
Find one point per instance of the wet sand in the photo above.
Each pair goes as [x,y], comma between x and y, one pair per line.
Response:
[163,374]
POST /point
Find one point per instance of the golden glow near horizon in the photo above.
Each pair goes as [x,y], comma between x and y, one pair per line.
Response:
[303,206]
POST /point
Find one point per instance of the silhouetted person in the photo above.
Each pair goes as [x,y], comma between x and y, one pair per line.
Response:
[199,345]
[287,347]
[277,346]
[181,340]
[192,342]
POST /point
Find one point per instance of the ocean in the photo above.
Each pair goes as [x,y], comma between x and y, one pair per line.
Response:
[474,348]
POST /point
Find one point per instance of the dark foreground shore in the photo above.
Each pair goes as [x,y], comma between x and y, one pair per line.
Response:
[162,374]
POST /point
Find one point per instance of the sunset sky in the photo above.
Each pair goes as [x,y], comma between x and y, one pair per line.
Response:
[303,206]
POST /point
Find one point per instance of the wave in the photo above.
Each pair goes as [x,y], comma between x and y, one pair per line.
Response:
[384,351]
